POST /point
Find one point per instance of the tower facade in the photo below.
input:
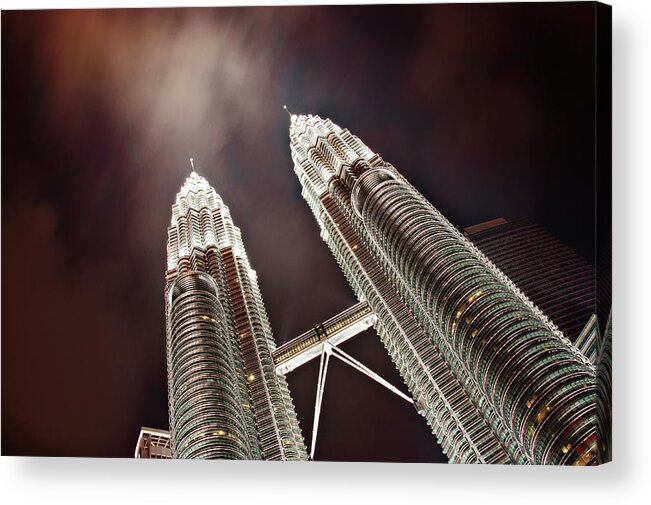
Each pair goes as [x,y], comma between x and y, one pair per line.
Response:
[225,400]
[495,379]
[553,276]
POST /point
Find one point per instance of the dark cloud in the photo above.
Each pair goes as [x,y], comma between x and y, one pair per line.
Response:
[68,356]
[486,109]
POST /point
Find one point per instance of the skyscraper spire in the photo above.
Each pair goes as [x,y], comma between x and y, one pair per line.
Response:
[292,117]
[192,164]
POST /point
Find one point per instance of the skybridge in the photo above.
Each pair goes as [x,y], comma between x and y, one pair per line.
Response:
[322,341]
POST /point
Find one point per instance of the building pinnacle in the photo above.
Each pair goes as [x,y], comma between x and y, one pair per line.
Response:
[292,117]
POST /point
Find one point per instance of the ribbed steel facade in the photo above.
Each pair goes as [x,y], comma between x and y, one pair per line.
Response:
[559,281]
[225,399]
[496,380]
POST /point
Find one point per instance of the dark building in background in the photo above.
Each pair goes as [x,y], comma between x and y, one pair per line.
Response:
[552,275]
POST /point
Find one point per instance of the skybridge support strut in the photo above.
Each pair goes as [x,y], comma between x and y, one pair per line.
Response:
[328,350]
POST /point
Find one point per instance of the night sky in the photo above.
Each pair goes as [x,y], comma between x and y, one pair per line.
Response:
[487,109]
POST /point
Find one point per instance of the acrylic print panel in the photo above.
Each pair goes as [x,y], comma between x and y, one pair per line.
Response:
[409,263]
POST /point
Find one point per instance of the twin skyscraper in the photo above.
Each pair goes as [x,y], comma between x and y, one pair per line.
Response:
[493,376]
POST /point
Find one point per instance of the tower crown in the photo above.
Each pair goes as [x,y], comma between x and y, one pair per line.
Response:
[195,193]
[194,183]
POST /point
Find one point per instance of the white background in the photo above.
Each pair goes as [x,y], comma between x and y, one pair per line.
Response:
[626,480]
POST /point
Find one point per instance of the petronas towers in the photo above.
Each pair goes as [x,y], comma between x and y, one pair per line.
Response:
[495,379]
[225,400]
